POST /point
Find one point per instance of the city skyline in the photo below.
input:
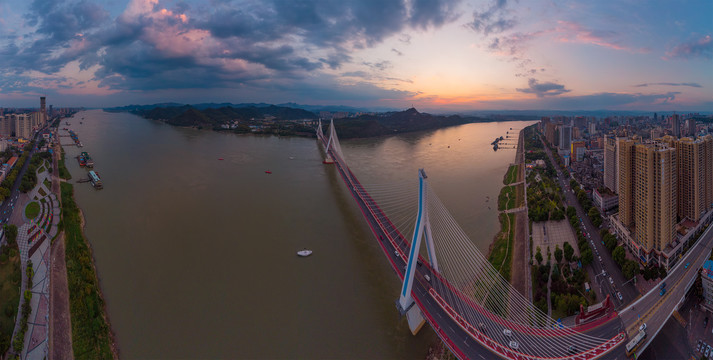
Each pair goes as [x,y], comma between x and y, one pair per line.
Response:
[434,55]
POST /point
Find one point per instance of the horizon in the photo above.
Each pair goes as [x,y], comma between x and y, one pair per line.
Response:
[447,56]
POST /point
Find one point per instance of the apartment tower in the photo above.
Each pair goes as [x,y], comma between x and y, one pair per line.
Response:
[655,195]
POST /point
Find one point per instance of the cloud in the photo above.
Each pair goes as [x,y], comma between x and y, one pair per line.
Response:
[543,89]
[397,52]
[701,48]
[576,33]
[161,44]
[493,20]
[696,85]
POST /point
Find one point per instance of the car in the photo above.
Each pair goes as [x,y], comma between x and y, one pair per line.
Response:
[619,295]
[698,347]
[705,322]
[642,327]
[600,259]
[428,278]
[611,281]
[572,349]
[507,332]
[481,326]
[513,344]
[686,267]
[708,350]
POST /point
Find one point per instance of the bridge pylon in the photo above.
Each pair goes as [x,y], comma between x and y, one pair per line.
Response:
[328,158]
[422,229]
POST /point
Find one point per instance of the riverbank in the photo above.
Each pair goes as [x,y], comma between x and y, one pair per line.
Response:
[92,337]
[508,252]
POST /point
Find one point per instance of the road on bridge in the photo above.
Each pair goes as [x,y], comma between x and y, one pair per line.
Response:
[654,309]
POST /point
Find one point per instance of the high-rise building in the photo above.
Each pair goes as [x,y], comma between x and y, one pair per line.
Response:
[565,137]
[691,127]
[543,123]
[550,132]
[43,110]
[625,150]
[611,164]
[655,204]
[7,127]
[592,128]
[695,175]
[675,126]
[23,126]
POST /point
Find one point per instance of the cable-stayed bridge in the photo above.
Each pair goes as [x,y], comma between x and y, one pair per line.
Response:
[466,301]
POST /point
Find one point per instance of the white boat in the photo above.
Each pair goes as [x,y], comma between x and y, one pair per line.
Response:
[304,252]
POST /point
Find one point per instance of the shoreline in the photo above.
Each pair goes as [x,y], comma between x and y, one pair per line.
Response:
[70,209]
[112,337]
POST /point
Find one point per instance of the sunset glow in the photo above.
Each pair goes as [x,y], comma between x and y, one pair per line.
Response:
[438,55]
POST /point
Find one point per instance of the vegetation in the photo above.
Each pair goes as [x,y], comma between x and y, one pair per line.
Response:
[501,251]
[10,278]
[506,199]
[90,330]
[29,180]
[63,172]
[396,122]
[32,209]
[543,197]
[511,175]
[19,341]
[48,184]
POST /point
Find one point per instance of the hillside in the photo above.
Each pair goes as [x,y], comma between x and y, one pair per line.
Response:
[215,117]
[396,122]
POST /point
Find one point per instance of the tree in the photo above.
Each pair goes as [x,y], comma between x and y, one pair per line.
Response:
[571,212]
[11,234]
[587,256]
[630,269]
[538,256]
[558,253]
[619,255]
[610,242]
[568,251]
[557,214]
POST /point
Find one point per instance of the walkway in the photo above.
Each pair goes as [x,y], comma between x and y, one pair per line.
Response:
[33,240]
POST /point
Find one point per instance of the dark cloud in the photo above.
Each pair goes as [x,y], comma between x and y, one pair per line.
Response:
[701,48]
[397,52]
[428,13]
[543,89]
[696,85]
[61,34]
[493,20]
[171,45]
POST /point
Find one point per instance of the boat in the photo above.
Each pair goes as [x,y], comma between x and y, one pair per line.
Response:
[220,158]
[95,179]
[88,161]
[268,172]
[82,160]
[304,252]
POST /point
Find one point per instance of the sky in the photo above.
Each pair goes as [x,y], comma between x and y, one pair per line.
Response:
[437,55]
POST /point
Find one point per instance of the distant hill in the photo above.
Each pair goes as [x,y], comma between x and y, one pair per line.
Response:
[397,122]
[187,115]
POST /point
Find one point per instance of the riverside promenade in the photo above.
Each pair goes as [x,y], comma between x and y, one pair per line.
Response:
[34,237]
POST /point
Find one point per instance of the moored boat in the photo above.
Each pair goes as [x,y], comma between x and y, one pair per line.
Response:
[95,179]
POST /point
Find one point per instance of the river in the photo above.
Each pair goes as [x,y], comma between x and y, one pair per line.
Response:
[196,255]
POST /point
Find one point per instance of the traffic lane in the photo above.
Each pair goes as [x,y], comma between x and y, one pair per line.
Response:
[628,291]
[676,281]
